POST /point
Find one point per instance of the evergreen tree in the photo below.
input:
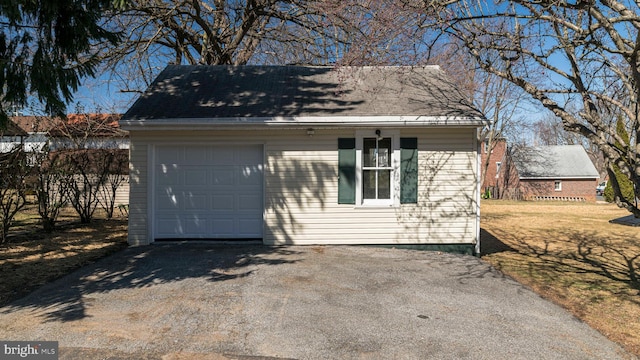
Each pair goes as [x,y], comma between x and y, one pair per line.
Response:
[625,184]
[46,49]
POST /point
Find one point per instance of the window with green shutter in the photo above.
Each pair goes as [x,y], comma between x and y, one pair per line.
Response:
[408,170]
[346,171]
[387,166]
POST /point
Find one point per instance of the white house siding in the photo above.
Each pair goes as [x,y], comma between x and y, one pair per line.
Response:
[301,188]
[122,192]
[302,192]
[138,152]
[8,143]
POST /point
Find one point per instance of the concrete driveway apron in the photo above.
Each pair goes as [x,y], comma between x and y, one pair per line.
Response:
[208,301]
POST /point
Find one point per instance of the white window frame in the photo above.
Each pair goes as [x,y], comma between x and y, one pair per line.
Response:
[394,199]
[498,166]
[557,185]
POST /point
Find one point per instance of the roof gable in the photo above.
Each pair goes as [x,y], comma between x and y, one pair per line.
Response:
[554,162]
[12,129]
[234,92]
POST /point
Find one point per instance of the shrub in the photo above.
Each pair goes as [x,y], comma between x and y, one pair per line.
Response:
[626,187]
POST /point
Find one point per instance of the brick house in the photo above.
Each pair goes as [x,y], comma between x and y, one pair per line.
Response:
[493,173]
[563,172]
[556,173]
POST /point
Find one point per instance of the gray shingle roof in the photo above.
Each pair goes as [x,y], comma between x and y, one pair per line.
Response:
[557,162]
[233,92]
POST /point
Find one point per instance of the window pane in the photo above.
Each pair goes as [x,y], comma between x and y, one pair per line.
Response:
[369,184]
[384,184]
[384,152]
[369,152]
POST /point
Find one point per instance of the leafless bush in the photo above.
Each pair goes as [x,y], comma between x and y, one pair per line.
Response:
[13,174]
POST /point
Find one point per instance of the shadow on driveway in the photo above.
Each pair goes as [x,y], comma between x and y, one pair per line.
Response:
[198,300]
[141,267]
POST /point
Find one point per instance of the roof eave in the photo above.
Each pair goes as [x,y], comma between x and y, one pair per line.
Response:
[297,121]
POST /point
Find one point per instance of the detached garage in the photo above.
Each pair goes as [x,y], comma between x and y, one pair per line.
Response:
[304,155]
[208,191]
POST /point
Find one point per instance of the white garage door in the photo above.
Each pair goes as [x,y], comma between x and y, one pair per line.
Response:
[208,192]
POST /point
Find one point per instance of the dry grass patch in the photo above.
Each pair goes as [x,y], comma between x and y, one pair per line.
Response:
[33,258]
[571,254]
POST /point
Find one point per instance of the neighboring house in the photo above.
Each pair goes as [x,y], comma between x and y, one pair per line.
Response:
[88,131]
[11,136]
[554,173]
[305,155]
[494,176]
[84,131]
[37,128]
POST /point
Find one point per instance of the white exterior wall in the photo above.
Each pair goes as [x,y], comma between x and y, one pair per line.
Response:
[8,143]
[301,188]
[122,192]
[138,152]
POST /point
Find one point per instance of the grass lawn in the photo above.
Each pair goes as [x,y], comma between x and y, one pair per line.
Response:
[570,254]
[32,258]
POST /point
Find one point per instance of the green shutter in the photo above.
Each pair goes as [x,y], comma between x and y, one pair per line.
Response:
[346,171]
[408,170]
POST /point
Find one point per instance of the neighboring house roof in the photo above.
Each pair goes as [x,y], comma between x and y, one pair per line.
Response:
[554,162]
[95,125]
[33,124]
[302,94]
[87,125]
[12,129]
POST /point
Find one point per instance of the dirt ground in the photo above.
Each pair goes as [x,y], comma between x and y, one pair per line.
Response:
[571,254]
[32,257]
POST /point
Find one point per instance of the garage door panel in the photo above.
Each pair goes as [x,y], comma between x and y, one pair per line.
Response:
[249,175]
[196,155]
[167,177]
[222,201]
[169,154]
[223,156]
[250,228]
[223,227]
[196,177]
[196,226]
[169,227]
[250,202]
[196,201]
[208,192]
[248,155]
[223,175]
[167,202]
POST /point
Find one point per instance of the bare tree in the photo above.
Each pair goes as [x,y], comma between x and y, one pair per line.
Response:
[117,168]
[500,101]
[239,32]
[86,146]
[230,32]
[50,182]
[13,185]
[562,54]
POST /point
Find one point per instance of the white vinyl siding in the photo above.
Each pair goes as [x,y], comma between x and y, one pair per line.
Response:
[138,210]
[308,212]
[301,188]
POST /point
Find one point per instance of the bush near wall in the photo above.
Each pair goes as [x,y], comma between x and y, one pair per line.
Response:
[626,187]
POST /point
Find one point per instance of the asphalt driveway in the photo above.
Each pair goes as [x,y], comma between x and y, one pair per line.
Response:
[202,301]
